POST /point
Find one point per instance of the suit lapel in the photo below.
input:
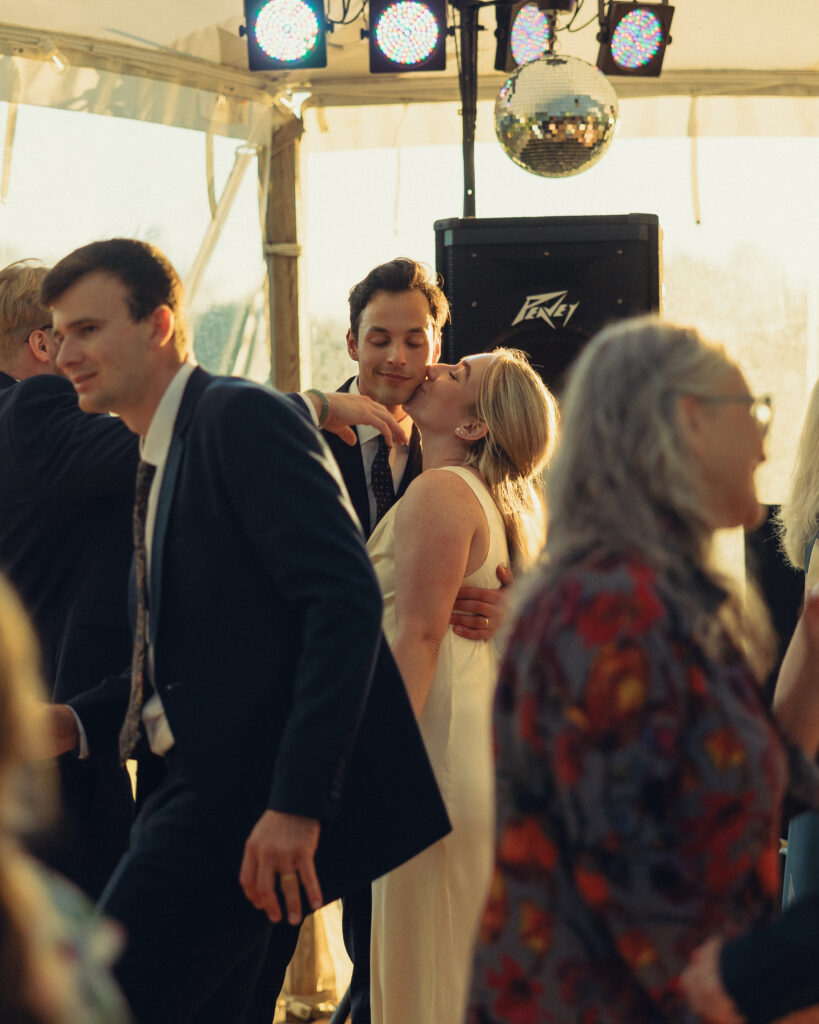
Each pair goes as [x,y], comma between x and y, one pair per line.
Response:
[199,380]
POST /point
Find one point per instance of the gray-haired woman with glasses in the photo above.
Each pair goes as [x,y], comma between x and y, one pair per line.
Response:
[640,778]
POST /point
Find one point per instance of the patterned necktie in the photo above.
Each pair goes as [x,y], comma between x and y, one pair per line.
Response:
[381,480]
[130,728]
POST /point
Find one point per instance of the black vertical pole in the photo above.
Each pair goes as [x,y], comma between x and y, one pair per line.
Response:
[469,98]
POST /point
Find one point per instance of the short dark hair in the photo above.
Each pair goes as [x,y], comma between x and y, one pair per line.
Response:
[400,275]
[146,273]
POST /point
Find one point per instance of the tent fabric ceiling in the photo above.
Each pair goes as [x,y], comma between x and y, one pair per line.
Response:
[734,47]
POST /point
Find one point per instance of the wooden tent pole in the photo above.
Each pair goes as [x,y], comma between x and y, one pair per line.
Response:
[279,189]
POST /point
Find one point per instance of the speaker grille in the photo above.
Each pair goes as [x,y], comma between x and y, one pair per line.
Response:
[545,285]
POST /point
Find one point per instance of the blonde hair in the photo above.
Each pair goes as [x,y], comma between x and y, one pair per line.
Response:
[20,799]
[21,310]
[798,519]
[624,480]
[21,690]
[521,416]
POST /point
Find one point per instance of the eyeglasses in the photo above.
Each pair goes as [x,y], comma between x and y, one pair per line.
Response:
[760,407]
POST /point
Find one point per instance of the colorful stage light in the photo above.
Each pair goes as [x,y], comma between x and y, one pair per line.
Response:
[634,37]
[522,33]
[636,40]
[530,33]
[407,35]
[285,34]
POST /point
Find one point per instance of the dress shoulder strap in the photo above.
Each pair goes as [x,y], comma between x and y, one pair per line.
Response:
[479,489]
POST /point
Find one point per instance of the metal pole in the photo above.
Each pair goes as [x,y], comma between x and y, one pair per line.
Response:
[469,99]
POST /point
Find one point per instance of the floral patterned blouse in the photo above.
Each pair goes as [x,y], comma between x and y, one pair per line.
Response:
[72,949]
[640,785]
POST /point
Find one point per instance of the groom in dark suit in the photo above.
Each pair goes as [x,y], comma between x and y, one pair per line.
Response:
[396,315]
[294,770]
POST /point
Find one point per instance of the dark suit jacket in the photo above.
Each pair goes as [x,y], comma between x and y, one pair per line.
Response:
[350,463]
[265,618]
[66,496]
[772,970]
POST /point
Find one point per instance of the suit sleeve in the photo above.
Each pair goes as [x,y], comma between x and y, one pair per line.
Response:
[303,406]
[771,971]
[102,712]
[286,491]
[53,439]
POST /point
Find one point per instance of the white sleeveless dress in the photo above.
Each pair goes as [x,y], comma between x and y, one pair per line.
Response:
[426,912]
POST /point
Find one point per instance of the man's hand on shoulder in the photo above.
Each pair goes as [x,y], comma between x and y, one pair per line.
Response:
[344,410]
[479,613]
[280,850]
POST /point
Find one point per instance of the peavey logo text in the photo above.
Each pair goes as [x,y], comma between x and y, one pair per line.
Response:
[549,306]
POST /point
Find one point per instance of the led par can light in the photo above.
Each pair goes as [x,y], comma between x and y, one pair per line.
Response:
[285,34]
[633,39]
[407,35]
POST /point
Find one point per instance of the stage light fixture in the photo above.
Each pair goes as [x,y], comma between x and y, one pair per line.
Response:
[285,34]
[633,38]
[523,34]
[407,35]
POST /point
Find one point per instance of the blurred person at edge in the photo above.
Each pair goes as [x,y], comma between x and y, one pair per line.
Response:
[640,779]
[799,527]
[771,971]
[54,949]
[66,503]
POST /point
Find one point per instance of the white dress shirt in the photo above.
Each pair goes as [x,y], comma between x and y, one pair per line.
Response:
[154,449]
[368,439]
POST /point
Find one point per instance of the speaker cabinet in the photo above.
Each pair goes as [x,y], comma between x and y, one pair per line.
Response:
[545,284]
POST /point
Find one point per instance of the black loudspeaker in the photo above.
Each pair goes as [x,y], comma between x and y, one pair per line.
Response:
[545,284]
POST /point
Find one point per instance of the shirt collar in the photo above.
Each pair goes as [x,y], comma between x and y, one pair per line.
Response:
[364,430]
[154,446]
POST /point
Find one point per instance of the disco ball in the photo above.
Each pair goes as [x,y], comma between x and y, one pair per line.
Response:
[556,116]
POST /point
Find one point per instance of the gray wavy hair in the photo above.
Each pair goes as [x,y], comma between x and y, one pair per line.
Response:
[624,479]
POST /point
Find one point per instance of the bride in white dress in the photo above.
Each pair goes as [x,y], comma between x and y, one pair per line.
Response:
[488,426]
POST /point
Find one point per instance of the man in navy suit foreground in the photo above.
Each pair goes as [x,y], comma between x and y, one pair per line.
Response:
[295,768]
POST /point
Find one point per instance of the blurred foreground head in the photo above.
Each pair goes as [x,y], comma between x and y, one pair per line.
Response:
[21,739]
